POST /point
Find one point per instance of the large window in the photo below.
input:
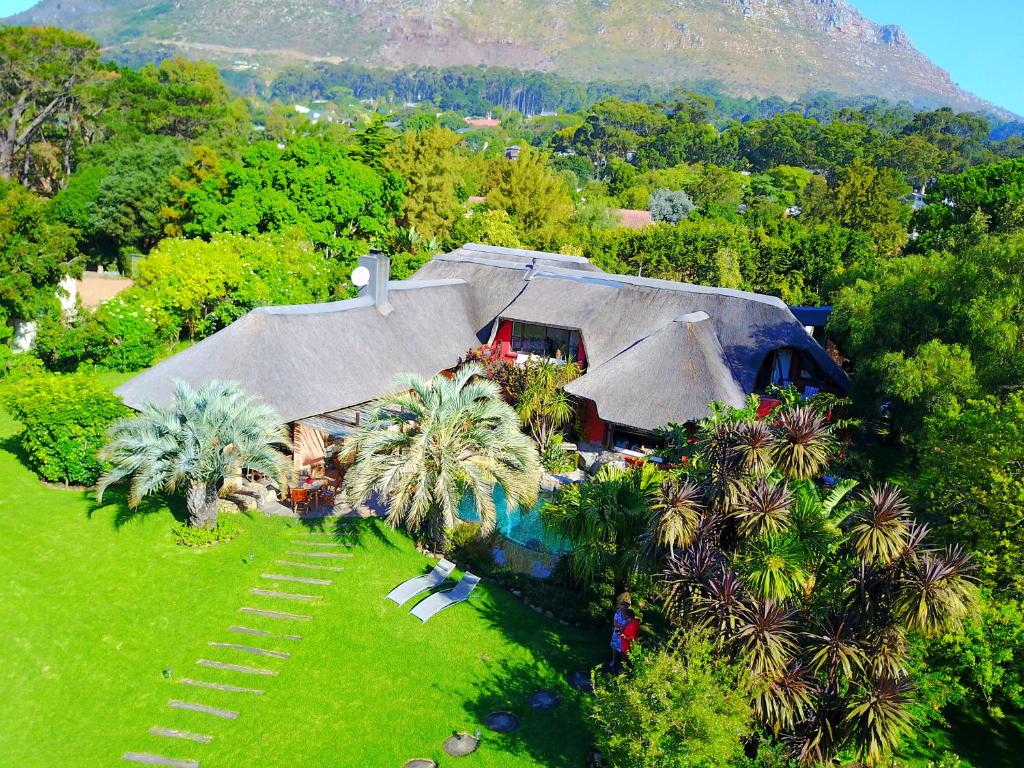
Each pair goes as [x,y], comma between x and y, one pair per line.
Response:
[790,367]
[545,341]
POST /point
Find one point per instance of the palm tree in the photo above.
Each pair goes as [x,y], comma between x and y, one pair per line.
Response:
[202,438]
[804,442]
[434,440]
[543,404]
[607,521]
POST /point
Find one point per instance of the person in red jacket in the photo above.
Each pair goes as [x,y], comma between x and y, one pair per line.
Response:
[628,635]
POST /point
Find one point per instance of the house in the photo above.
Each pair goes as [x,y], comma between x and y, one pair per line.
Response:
[653,351]
[482,122]
[632,219]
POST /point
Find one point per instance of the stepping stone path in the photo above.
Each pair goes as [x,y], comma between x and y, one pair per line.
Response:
[276,614]
[237,668]
[307,548]
[170,733]
[502,722]
[420,762]
[147,759]
[311,566]
[299,579]
[319,554]
[227,714]
[283,595]
[262,633]
[543,700]
[219,686]
[460,744]
[250,649]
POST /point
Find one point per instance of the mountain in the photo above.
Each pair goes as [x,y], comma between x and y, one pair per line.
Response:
[749,47]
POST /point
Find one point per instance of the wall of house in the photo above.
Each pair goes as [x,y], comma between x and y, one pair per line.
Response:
[594,429]
[504,331]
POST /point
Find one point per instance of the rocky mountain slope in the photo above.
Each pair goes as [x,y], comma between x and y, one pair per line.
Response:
[751,47]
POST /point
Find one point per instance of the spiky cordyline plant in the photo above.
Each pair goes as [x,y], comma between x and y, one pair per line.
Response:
[937,591]
[721,605]
[676,515]
[754,447]
[436,439]
[881,527]
[803,443]
[785,698]
[878,717]
[766,637]
[198,441]
[762,507]
[833,648]
[686,577]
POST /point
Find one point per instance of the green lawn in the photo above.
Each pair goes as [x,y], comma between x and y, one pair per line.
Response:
[96,607]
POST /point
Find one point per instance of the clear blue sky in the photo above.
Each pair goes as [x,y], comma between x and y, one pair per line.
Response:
[978,41]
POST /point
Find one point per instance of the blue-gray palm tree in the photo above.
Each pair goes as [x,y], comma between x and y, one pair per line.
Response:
[432,441]
[193,445]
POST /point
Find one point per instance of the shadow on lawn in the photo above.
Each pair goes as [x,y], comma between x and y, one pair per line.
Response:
[115,500]
[347,530]
[555,738]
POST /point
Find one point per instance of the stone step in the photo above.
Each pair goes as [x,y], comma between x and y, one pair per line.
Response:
[311,566]
[262,633]
[318,554]
[219,686]
[297,579]
[227,714]
[284,595]
[171,733]
[252,650]
[275,614]
[149,759]
[236,668]
[307,543]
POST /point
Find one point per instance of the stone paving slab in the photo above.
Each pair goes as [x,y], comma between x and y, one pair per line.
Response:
[252,650]
[307,543]
[297,579]
[284,595]
[227,714]
[171,733]
[318,554]
[262,633]
[149,759]
[236,668]
[219,686]
[275,614]
[311,566]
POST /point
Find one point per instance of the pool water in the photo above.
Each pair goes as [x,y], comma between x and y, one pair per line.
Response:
[522,527]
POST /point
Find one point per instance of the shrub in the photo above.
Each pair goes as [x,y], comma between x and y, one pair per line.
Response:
[65,417]
[671,205]
[471,550]
[681,707]
[190,536]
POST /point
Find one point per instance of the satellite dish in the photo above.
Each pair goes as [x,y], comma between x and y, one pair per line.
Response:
[360,276]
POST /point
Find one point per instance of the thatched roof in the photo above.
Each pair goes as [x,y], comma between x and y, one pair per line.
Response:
[651,358]
[671,375]
[311,359]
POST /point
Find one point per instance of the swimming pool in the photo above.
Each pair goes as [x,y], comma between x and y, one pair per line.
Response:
[523,528]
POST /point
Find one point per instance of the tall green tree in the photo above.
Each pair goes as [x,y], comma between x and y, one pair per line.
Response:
[534,196]
[35,254]
[433,441]
[871,199]
[193,445]
[431,165]
[43,72]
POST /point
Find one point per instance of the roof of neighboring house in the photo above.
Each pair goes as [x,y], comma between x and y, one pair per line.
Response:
[94,289]
[483,122]
[633,219]
[315,358]
[671,375]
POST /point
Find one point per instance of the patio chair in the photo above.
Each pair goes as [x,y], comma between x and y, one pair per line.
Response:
[299,498]
[412,587]
[438,601]
[328,493]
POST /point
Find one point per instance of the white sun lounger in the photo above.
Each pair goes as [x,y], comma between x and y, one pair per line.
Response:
[414,586]
[441,600]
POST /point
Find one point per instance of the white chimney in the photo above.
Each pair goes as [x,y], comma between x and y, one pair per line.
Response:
[379,266]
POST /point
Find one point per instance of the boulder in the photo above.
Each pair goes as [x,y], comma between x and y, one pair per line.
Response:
[608,458]
[551,483]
